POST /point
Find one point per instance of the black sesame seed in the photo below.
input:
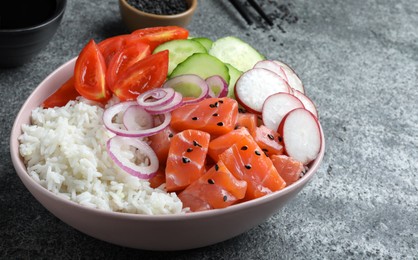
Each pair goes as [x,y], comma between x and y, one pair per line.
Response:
[248,166]
[244,148]
[196,144]
[225,197]
[280,139]
[216,167]
[194,118]
[221,101]
[216,114]
[212,105]
[265,150]
[220,124]
[257,152]
[270,136]
[170,135]
[185,159]
[189,149]
[211,181]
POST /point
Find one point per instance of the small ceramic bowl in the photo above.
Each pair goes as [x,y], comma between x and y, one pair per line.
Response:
[136,19]
[163,232]
[26,28]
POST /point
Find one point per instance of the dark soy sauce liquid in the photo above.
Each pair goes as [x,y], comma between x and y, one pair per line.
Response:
[18,14]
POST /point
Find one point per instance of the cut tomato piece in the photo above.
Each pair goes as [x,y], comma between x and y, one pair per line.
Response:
[216,189]
[160,143]
[110,46]
[186,159]
[123,59]
[248,120]
[146,74]
[268,140]
[288,168]
[155,36]
[62,95]
[223,142]
[89,74]
[216,116]
[247,162]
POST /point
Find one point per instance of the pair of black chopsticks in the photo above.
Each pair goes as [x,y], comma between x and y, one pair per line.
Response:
[244,14]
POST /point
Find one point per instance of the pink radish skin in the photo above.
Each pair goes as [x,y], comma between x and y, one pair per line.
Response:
[255,85]
[217,86]
[307,102]
[301,134]
[272,66]
[291,76]
[276,107]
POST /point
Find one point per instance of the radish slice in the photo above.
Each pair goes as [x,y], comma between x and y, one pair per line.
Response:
[292,78]
[276,107]
[217,86]
[255,85]
[136,118]
[119,150]
[110,113]
[301,134]
[156,97]
[174,103]
[189,85]
[271,66]
[307,102]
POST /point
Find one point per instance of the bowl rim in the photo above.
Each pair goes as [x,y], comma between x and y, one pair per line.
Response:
[21,171]
[190,10]
[61,5]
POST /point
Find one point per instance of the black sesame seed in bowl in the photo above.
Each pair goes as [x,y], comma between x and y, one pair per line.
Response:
[160,7]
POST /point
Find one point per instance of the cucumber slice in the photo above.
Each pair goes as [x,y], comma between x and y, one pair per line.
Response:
[206,42]
[234,74]
[236,52]
[203,65]
[179,50]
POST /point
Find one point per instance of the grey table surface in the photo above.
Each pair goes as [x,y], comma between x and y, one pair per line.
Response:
[358,60]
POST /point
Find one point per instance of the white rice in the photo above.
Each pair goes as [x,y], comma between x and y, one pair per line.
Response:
[64,150]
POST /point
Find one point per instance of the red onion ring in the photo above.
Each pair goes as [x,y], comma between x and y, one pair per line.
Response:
[136,118]
[112,111]
[156,97]
[175,103]
[217,85]
[116,144]
[189,85]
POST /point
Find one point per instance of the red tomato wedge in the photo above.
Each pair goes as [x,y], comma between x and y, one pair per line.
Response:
[146,74]
[269,141]
[89,74]
[288,168]
[62,95]
[110,46]
[223,142]
[160,143]
[217,116]
[157,35]
[247,162]
[248,120]
[186,159]
[123,59]
[216,189]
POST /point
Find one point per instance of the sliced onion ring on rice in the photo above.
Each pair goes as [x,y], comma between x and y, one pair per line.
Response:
[136,118]
[156,97]
[117,144]
[174,103]
[112,111]
[191,86]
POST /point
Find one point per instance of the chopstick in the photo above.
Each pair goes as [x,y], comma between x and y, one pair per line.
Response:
[261,12]
[244,14]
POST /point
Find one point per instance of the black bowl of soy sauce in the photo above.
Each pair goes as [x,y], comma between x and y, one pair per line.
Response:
[26,27]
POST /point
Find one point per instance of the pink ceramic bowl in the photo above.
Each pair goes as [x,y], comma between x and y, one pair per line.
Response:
[147,232]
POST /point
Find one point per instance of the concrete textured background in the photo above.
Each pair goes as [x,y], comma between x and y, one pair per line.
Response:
[358,60]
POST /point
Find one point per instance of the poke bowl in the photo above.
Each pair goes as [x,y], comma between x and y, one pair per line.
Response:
[142,231]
